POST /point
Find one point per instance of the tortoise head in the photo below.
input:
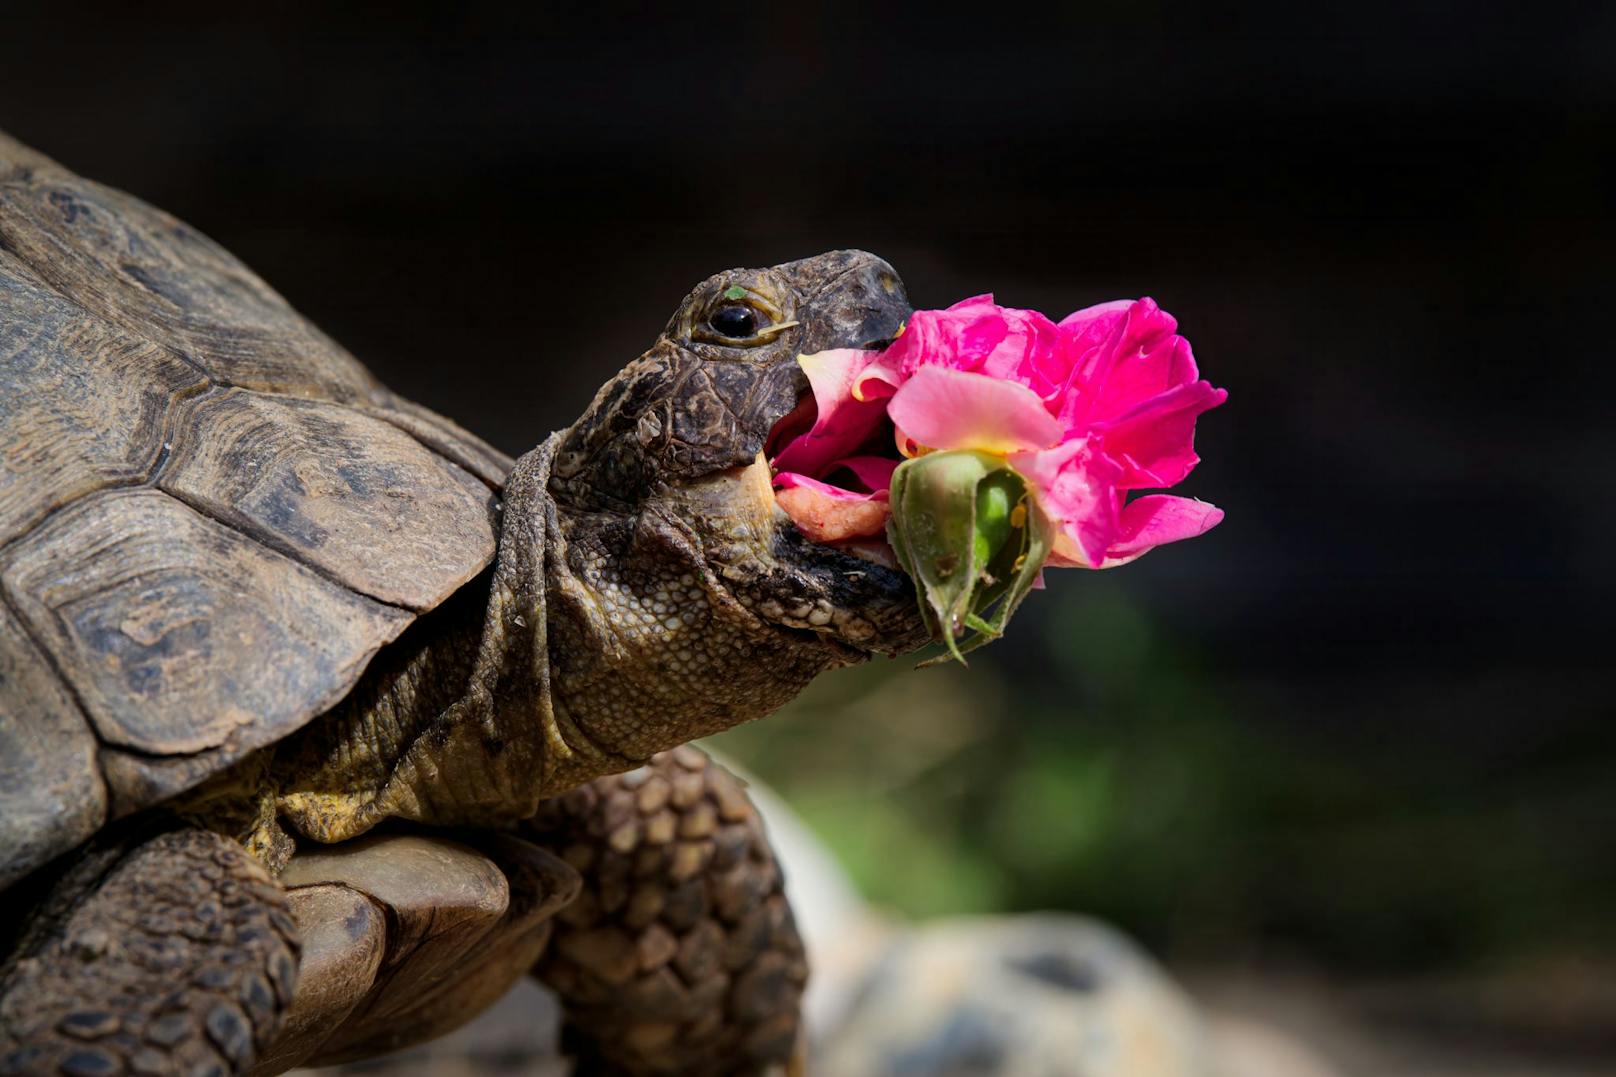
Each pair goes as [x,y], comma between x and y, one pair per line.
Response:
[702,401]
[667,509]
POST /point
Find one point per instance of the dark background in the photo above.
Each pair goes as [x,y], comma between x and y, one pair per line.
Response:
[1364,726]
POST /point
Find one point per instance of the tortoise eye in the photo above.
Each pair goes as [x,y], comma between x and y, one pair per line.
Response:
[737,321]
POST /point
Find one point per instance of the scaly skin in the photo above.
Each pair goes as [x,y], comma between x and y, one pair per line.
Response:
[176,955]
[681,956]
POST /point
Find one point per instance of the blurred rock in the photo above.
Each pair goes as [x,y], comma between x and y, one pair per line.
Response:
[1248,1048]
[1022,996]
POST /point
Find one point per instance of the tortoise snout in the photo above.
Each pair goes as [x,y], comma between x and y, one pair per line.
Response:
[855,300]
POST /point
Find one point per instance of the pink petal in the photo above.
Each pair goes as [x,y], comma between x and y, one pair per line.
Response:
[983,300]
[921,338]
[953,409]
[1148,522]
[1155,442]
[1075,485]
[1004,342]
[957,337]
[873,471]
[843,423]
[1141,325]
[1121,357]
[792,480]
[1095,324]
[1082,334]
[826,513]
[1163,363]
[878,381]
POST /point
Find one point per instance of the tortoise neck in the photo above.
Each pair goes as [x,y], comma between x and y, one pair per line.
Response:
[453,724]
[648,646]
[339,776]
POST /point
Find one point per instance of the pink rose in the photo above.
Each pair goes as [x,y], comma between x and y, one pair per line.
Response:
[1086,411]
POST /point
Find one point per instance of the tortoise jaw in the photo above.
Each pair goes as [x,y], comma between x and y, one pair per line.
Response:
[841,598]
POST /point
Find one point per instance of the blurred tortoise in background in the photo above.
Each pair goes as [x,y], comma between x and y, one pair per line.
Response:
[255,605]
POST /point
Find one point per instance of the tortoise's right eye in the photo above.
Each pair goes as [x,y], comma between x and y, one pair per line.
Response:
[737,321]
[739,317]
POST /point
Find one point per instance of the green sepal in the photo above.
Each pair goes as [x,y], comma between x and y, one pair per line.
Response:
[968,534]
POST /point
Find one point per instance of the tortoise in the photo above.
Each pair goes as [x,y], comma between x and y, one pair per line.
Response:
[296,672]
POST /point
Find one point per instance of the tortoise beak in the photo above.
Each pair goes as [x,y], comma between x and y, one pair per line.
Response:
[858,302]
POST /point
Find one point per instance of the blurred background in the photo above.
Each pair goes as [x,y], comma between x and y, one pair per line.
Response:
[1348,760]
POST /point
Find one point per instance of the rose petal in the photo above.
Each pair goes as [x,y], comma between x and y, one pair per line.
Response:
[1155,442]
[825,513]
[1075,485]
[1122,354]
[952,409]
[790,480]
[1095,325]
[1148,522]
[1160,363]
[878,381]
[933,336]
[843,423]
[873,471]
[975,335]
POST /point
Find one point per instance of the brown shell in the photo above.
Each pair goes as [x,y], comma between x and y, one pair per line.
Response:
[211,516]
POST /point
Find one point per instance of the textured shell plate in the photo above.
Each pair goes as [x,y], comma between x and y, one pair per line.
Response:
[211,516]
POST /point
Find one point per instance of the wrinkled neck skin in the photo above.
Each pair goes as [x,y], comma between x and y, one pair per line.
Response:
[659,633]
[608,635]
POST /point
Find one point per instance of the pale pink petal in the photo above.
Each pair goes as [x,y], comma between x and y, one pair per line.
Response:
[843,422]
[1065,553]
[827,513]
[1155,442]
[952,409]
[1148,522]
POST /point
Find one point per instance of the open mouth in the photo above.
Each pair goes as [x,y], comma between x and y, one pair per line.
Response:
[831,461]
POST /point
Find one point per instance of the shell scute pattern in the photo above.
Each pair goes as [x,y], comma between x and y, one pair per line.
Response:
[211,515]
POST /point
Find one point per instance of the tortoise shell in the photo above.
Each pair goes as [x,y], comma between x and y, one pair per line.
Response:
[211,515]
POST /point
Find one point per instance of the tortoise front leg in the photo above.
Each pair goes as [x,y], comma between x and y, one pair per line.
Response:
[407,936]
[172,955]
[680,956]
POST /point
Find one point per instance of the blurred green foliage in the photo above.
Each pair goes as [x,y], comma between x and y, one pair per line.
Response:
[1090,762]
